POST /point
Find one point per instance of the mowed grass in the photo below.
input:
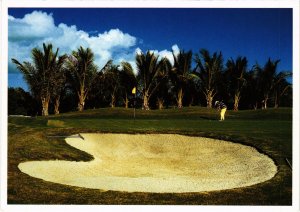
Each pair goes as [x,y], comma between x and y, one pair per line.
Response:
[269,131]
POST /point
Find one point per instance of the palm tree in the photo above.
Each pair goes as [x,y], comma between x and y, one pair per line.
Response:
[111,78]
[235,78]
[251,89]
[40,75]
[59,80]
[128,81]
[82,73]
[268,79]
[163,92]
[210,68]
[181,74]
[150,73]
[282,87]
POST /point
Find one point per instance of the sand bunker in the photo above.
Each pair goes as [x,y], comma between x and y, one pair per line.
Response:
[157,163]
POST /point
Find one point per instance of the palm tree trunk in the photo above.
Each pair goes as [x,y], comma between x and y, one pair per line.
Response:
[126,101]
[265,101]
[160,102]
[56,105]
[255,105]
[209,99]
[81,102]
[237,98]
[113,101]
[179,98]
[45,105]
[276,101]
[146,101]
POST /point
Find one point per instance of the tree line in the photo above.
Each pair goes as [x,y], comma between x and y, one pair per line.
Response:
[74,81]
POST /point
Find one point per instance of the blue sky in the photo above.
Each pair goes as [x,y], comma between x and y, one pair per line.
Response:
[119,33]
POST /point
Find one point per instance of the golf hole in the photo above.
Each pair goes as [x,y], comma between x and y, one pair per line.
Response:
[156,163]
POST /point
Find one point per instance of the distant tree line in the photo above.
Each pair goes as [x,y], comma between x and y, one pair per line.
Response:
[74,82]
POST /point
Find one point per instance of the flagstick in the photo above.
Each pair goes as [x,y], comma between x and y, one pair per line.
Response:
[134,106]
[134,101]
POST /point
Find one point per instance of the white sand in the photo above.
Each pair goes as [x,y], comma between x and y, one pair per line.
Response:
[157,163]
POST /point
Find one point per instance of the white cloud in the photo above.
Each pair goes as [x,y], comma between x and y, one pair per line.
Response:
[175,49]
[167,54]
[38,27]
[138,51]
[33,26]
[115,37]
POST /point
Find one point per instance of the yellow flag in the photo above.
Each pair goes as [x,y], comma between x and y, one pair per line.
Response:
[133,90]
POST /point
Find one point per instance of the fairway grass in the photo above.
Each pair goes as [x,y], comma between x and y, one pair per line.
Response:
[29,139]
[158,163]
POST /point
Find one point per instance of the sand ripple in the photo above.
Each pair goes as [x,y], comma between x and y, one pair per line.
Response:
[156,163]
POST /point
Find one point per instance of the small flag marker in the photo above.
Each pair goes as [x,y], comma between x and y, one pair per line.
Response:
[134,90]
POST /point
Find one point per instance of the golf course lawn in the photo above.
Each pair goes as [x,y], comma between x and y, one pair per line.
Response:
[29,139]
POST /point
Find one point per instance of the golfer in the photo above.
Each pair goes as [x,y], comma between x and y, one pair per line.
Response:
[221,106]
